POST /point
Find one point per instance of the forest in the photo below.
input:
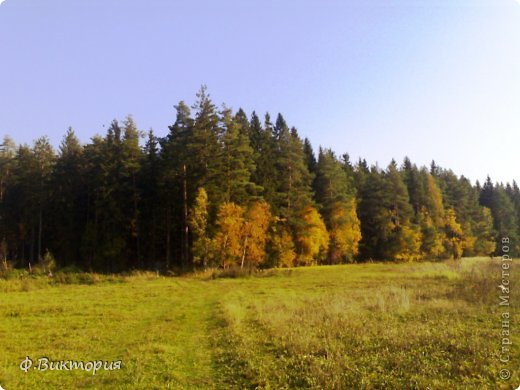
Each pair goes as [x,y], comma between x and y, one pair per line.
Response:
[224,189]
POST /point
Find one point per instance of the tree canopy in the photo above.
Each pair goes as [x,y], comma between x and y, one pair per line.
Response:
[222,189]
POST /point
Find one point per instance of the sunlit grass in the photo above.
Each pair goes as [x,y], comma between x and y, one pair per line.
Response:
[375,325]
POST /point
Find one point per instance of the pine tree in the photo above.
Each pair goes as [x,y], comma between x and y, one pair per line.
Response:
[264,148]
[386,217]
[175,187]
[7,235]
[150,206]
[237,161]
[220,189]
[426,200]
[485,243]
[310,158]
[335,195]
[204,160]
[404,240]
[293,178]
[130,167]
[68,203]
[372,212]
[44,159]
[503,211]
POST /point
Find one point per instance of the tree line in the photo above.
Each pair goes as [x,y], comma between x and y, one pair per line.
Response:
[223,189]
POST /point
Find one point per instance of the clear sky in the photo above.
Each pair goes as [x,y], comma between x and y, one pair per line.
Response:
[437,79]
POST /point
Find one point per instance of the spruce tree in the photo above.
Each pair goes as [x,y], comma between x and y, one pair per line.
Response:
[237,162]
[69,202]
[335,196]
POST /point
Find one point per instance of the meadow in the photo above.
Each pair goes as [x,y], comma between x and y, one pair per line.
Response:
[360,326]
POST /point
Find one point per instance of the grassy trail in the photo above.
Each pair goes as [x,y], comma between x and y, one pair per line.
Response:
[164,331]
[178,346]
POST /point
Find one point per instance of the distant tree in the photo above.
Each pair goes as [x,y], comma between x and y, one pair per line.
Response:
[257,220]
[503,211]
[386,217]
[460,196]
[294,193]
[485,243]
[44,159]
[228,238]
[150,207]
[7,234]
[281,249]
[198,222]
[68,201]
[427,202]
[132,158]
[203,148]
[334,193]
[264,149]
[311,237]
[310,158]
[404,240]
[7,154]
[454,242]
[344,232]
[237,161]
[176,185]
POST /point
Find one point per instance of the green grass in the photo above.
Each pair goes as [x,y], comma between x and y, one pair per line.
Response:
[355,326]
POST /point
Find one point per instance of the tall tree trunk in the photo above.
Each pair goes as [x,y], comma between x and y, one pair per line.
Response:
[168,237]
[224,252]
[31,249]
[244,253]
[95,244]
[185,241]
[154,243]
[23,251]
[289,193]
[136,219]
[40,235]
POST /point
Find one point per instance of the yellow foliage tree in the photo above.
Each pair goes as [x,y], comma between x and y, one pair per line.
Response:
[312,238]
[435,204]
[432,235]
[228,238]
[198,222]
[468,240]
[256,224]
[282,247]
[485,243]
[454,240]
[344,232]
[410,240]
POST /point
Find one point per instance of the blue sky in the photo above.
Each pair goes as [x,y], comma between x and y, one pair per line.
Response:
[432,79]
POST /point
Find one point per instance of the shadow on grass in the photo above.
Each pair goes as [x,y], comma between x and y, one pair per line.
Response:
[232,371]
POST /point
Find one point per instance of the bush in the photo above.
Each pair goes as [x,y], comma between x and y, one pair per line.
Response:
[232,272]
[76,278]
[13,273]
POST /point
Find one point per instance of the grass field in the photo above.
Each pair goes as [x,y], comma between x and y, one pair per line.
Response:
[402,326]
